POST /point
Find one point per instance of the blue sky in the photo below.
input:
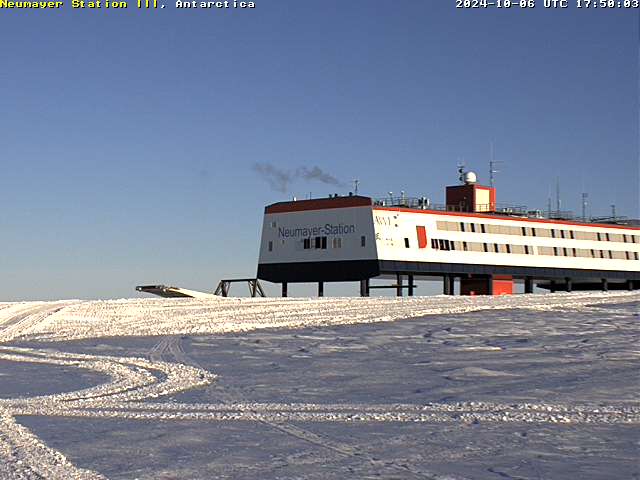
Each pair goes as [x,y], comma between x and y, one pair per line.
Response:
[127,138]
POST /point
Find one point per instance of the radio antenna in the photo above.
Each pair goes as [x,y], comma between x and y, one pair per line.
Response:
[493,163]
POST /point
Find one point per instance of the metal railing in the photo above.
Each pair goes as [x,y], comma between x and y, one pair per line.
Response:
[507,209]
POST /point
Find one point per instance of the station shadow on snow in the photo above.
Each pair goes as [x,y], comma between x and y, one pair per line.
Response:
[506,356]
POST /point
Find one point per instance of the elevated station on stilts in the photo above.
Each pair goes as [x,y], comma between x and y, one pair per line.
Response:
[470,241]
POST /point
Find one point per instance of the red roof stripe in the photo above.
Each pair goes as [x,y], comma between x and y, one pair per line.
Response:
[318,204]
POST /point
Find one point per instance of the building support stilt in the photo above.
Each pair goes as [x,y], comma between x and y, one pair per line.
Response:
[605,285]
[449,284]
[364,287]
[528,285]
[552,286]
[321,289]
[568,284]
[629,285]
[399,285]
[411,285]
[284,289]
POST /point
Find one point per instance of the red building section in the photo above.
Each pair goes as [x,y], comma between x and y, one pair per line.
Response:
[472,198]
[497,285]
[422,236]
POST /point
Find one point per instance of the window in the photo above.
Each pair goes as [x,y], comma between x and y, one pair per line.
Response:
[624,237]
[306,243]
[475,247]
[545,250]
[607,236]
[526,249]
[434,243]
[575,252]
[564,252]
[320,243]
[610,254]
[572,235]
[270,245]
[555,251]
[465,247]
[406,243]
[462,227]
[508,248]
[452,244]
[336,242]
[524,231]
[484,245]
[533,231]
[363,241]
[482,228]
[273,224]
[635,255]
[473,227]
[496,248]
[599,237]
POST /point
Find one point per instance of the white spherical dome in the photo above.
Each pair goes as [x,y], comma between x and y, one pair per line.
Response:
[470,177]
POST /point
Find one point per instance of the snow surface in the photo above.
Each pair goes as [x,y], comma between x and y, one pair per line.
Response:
[277,369]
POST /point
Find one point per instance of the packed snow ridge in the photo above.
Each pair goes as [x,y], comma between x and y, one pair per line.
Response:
[72,320]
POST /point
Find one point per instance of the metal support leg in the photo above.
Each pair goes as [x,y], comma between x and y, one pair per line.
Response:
[399,285]
[321,289]
[629,285]
[552,286]
[490,285]
[528,285]
[411,285]
[569,284]
[605,285]
[452,285]
[284,289]
[445,285]
[364,288]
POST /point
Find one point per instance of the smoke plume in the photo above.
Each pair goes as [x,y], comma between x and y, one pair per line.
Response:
[280,180]
[277,179]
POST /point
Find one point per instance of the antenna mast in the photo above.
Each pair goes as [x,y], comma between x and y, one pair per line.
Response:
[585,196]
[492,165]
[356,182]
[461,167]
[558,202]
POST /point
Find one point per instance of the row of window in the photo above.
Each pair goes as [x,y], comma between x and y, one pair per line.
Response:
[443,244]
[537,232]
[320,243]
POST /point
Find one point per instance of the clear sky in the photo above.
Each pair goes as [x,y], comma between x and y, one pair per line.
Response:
[128,138]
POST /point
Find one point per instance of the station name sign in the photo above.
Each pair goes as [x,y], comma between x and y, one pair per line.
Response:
[317,230]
